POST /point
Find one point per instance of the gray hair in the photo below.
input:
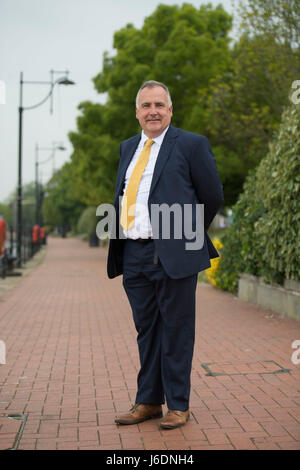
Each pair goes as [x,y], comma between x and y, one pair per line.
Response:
[153,84]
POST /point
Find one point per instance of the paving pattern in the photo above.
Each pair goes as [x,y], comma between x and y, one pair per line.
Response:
[72,361]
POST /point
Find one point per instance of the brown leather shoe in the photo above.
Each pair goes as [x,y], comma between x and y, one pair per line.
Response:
[174,419]
[140,412]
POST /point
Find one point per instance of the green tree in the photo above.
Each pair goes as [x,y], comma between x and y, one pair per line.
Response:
[234,95]
[278,19]
[87,221]
[240,110]
[60,206]
[28,205]
[6,212]
[184,47]
[95,158]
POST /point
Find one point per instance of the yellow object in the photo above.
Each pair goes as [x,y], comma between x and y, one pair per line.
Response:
[210,272]
[129,200]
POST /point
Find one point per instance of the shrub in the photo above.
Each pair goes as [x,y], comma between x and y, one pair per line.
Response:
[264,237]
[87,221]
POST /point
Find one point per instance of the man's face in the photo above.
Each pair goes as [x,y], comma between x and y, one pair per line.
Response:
[153,111]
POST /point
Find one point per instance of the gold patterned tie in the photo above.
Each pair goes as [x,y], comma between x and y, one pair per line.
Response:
[129,199]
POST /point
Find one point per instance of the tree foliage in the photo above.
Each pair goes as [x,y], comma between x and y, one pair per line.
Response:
[242,108]
[87,221]
[183,47]
[9,208]
[61,207]
[6,213]
[233,94]
[278,19]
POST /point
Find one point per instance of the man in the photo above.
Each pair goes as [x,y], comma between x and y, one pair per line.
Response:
[162,167]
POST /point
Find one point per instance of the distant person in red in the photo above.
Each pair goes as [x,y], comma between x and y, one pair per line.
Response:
[35,234]
[43,235]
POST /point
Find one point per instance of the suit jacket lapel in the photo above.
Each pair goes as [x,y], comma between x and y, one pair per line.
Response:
[164,153]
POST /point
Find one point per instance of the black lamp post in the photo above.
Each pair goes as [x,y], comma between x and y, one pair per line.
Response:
[53,149]
[64,80]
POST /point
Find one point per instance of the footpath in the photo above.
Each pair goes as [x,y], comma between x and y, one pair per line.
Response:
[71,364]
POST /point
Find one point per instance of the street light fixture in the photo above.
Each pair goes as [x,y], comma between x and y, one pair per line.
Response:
[64,80]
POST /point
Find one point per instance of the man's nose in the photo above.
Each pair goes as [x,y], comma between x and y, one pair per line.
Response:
[153,110]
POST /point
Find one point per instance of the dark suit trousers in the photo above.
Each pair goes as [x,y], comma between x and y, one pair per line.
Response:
[164,316]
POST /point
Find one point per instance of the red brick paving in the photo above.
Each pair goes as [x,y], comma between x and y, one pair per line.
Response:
[72,364]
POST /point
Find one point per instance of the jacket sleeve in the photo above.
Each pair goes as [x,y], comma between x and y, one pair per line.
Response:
[206,179]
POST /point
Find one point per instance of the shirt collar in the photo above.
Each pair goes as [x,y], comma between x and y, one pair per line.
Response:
[158,140]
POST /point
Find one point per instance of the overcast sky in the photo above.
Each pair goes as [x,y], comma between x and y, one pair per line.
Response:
[37,36]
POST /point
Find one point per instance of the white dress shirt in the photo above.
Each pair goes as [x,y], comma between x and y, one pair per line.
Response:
[142,227]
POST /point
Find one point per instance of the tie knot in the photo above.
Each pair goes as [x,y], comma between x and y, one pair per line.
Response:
[149,142]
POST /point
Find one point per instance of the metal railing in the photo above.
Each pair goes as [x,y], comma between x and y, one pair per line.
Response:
[29,248]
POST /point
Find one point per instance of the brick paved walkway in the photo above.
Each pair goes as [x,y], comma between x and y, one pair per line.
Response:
[72,362]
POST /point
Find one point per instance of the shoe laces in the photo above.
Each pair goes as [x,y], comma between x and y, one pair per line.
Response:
[134,407]
[175,412]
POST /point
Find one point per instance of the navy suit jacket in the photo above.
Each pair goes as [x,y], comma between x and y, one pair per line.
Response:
[185,173]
